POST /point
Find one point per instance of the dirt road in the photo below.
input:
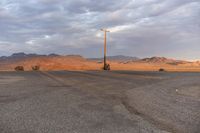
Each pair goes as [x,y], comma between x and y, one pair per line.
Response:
[99,102]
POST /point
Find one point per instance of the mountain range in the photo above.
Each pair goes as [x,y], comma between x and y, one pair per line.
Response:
[120,58]
[77,62]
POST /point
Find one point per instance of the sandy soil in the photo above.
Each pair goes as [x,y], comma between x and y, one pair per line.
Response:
[78,63]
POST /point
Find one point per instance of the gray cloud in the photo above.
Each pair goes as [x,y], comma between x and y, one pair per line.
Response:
[139,28]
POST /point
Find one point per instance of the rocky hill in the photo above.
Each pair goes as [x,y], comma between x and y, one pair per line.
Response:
[117,58]
[163,60]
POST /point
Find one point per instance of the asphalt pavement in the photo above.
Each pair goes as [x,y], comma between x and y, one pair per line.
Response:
[99,102]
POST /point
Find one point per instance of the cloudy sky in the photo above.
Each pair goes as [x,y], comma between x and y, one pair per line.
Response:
[140,28]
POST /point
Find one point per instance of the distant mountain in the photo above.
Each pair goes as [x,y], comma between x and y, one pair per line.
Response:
[16,57]
[46,62]
[118,58]
[128,59]
[20,56]
[77,62]
[157,60]
[53,55]
[163,60]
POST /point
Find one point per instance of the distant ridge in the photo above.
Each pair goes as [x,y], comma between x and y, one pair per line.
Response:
[117,58]
[120,58]
[46,62]
[163,60]
[158,60]
[77,62]
[130,59]
[21,55]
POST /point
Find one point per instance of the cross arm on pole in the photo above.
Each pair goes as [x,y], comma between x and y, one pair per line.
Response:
[105,30]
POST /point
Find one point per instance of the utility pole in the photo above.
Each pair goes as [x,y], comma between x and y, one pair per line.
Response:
[106,66]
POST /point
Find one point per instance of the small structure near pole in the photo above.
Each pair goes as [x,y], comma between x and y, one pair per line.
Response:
[106,66]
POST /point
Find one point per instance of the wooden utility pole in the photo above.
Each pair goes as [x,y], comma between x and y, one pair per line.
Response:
[106,66]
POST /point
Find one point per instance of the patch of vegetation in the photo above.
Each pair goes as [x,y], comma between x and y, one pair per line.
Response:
[35,68]
[161,70]
[19,68]
[107,67]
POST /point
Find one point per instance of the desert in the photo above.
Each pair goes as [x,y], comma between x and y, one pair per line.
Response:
[99,66]
[54,62]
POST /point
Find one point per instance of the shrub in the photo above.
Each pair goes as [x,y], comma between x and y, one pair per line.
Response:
[161,70]
[35,68]
[106,67]
[19,68]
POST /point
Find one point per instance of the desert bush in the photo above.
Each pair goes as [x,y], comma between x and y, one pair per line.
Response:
[19,68]
[161,70]
[35,68]
[106,67]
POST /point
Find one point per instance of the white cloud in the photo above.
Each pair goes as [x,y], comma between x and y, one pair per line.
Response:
[138,27]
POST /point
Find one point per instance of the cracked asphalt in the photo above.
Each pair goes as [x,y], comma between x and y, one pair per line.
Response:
[99,102]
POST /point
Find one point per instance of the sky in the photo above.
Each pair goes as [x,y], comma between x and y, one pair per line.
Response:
[141,28]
